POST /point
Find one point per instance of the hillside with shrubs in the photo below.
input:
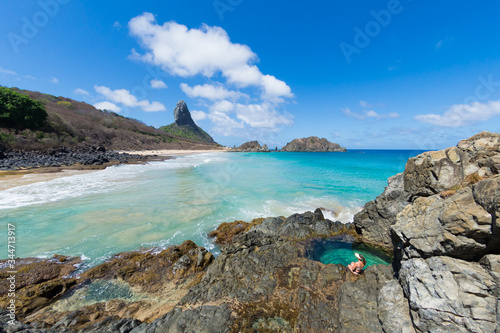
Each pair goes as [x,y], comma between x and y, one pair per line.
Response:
[36,121]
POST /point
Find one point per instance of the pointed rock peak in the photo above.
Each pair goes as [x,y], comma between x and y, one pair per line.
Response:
[182,114]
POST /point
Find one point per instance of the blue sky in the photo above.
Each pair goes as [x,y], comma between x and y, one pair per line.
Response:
[366,74]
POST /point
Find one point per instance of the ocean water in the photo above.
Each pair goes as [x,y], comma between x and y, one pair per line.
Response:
[127,207]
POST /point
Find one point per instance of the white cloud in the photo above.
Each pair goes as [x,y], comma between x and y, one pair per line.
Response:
[198,115]
[79,91]
[242,120]
[349,113]
[124,97]
[211,92]
[158,84]
[439,45]
[368,114]
[206,51]
[117,25]
[107,106]
[30,77]
[263,116]
[222,106]
[463,114]
[364,104]
[231,67]
[54,80]
[7,71]
[225,125]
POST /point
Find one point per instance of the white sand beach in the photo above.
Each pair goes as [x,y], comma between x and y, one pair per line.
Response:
[172,152]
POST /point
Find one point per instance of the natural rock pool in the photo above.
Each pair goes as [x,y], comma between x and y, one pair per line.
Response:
[340,250]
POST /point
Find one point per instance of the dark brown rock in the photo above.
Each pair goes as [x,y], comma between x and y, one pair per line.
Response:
[226,231]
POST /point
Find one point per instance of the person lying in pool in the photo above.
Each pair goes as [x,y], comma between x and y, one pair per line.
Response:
[357,267]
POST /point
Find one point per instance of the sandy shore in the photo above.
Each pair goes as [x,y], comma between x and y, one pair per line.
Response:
[10,179]
[14,178]
[171,152]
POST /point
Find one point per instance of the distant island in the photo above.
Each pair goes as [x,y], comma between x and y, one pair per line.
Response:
[313,144]
[251,147]
[310,144]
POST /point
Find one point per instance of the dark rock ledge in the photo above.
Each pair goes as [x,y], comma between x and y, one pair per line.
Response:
[74,158]
[440,218]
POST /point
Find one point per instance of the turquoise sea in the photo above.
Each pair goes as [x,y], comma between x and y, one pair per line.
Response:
[97,214]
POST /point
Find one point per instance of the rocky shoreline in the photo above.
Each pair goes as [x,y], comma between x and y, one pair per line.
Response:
[77,158]
[440,218]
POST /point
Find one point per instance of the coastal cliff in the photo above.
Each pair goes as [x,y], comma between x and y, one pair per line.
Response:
[439,218]
[313,144]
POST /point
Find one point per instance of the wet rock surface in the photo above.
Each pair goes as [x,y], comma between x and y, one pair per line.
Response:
[51,299]
[38,282]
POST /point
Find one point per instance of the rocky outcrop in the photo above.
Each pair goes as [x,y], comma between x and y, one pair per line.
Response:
[437,172]
[313,144]
[182,116]
[374,220]
[184,125]
[452,295]
[441,216]
[456,226]
[251,147]
[226,231]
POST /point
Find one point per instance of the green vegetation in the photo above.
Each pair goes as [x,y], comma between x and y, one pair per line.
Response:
[6,138]
[65,103]
[187,132]
[19,111]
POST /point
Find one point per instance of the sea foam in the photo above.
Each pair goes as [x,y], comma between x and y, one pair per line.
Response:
[113,178]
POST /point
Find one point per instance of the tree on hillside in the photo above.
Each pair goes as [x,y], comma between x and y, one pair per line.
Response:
[19,111]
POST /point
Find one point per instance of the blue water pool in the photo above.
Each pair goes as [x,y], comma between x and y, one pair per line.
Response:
[341,249]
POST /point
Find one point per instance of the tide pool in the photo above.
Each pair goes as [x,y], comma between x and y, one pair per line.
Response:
[127,207]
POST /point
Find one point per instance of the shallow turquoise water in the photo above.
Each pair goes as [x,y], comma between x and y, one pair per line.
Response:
[95,215]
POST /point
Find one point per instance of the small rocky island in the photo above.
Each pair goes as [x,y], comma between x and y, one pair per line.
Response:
[251,147]
[439,218]
[313,144]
